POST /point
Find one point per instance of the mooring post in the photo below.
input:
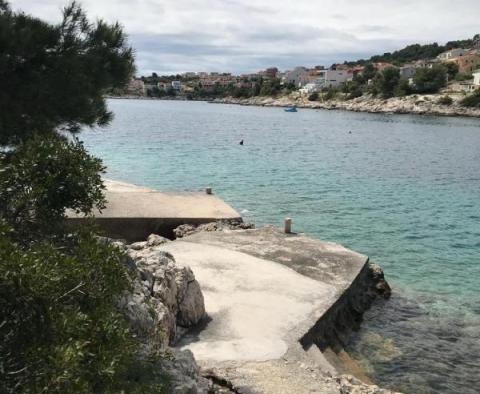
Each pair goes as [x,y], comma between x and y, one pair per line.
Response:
[208,190]
[288,225]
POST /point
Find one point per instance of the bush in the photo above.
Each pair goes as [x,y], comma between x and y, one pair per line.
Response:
[61,331]
[42,178]
[463,77]
[472,101]
[402,89]
[313,97]
[385,82]
[330,93]
[445,100]
[430,80]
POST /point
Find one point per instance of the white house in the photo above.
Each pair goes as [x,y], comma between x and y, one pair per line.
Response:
[176,85]
[452,53]
[298,76]
[476,78]
[328,78]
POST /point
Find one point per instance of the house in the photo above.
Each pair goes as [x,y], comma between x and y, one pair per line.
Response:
[476,78]
[136,87]
[452,53]
[298,77]
[332,78]
[176,85]
[408,71]
[467,63]
[270,72]
[379,66]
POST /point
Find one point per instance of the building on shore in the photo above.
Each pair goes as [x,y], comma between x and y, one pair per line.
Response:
[467,63]
[452,53]
[476,78]
[136,87]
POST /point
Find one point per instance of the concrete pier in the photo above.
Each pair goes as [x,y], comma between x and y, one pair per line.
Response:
[134,212]
[272,298]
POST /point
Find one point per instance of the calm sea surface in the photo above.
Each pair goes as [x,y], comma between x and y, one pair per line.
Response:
[404,190]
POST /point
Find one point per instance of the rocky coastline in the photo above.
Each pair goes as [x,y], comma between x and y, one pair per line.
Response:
[414,105]
[166,302]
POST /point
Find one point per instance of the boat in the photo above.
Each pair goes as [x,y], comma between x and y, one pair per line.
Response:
[291,109]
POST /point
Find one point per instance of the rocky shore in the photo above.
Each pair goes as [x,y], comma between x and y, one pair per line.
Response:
[415,104]
[166,302]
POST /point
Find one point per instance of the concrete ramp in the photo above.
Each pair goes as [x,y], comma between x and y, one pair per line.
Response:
[134,212]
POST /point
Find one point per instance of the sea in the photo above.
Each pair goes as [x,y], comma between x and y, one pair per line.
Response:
[402,189]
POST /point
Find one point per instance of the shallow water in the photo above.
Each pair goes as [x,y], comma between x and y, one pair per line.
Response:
[404,190]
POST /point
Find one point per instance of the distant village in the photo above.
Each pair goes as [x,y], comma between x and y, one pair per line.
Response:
[464,61]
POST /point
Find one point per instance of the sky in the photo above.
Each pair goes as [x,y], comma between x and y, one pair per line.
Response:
[241,36]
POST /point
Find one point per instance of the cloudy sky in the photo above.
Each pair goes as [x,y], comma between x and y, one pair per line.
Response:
[171,36]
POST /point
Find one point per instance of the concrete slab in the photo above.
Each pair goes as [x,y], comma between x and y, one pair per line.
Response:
[263,289]
[134,212]
[254,304]
[265,292]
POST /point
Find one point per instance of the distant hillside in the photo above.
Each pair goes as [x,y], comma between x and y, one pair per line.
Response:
[415,52]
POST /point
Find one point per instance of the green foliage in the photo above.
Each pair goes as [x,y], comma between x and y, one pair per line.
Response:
[313,97]
[353,89]
[463,77]
[445,100]
[42,178]
[451,69]
[60,329]
[54,76]
[430,80]
[472,101]
[330,93]
[402,89]
[385,82]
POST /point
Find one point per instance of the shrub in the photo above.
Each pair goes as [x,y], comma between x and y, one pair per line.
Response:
[384,82]
[313,97]
[471,101]
[61,331]
[330,93]
[445,100]
[463,77]
[42,178]
[402,89]
[430,80]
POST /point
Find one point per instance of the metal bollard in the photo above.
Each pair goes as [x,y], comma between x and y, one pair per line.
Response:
[288,225]
[208,190]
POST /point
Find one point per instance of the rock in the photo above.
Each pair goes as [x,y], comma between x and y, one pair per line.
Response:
[155,240]
[166,298]
[185,230]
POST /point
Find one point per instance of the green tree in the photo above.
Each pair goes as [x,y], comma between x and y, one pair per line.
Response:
[430,80]
[60,331]
[53,77]
[385,82]
[472,101]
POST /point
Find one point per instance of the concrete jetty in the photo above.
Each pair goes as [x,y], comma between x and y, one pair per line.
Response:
[134,212]
[273,301]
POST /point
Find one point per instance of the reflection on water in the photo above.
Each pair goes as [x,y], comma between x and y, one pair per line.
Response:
[403,189]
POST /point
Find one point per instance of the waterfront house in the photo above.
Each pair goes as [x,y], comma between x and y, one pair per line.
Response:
[476,78]
[298,77]
[136,87]
[468,62]
[177,85]
[452,53]
[408,71]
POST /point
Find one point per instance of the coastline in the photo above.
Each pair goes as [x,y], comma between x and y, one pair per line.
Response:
[410,105]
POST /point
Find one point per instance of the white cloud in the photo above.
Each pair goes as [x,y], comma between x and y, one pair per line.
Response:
[245,35]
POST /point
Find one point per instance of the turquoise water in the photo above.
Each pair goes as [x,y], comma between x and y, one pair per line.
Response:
[404,190]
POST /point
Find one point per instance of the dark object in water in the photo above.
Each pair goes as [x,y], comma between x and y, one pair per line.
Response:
[290,109]
[241,142]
